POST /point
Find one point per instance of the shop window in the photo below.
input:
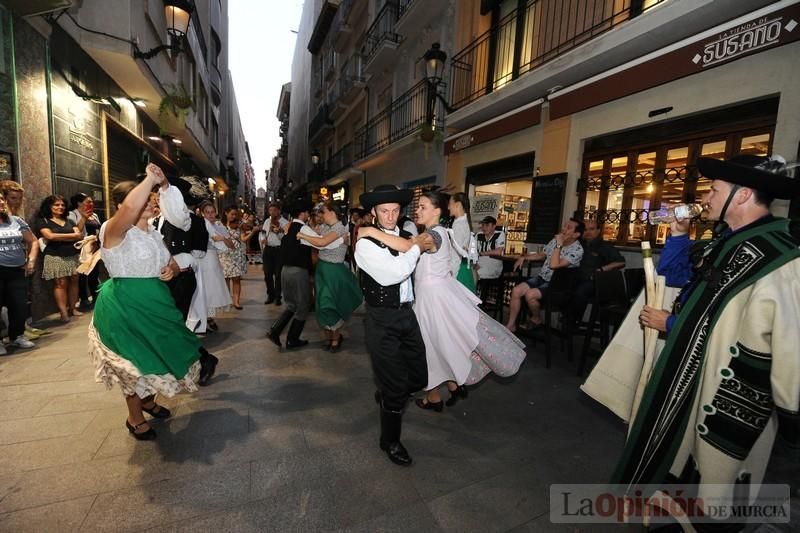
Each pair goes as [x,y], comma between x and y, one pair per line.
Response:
[621,197]
[512,216]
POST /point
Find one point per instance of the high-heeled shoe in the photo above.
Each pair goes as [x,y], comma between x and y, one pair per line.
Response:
[459,392]
[425,404]
[150,434]
[162,412]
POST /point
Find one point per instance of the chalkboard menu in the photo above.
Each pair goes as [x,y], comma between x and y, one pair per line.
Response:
[546,206]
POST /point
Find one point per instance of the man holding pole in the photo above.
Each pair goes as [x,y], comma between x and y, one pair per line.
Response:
[728,378]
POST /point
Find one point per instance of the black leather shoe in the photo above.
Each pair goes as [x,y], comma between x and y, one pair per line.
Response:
[299,343]
[425,404]
[460,392]
[208,365]
[150,434]
[157,411]
[397,453]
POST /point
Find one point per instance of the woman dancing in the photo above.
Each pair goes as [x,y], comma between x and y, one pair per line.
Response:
[337,291]
[137,337]
[462,343]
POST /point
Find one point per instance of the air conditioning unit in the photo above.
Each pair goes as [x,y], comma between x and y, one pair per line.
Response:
[27,8]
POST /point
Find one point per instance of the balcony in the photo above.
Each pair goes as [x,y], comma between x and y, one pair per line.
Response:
[216,84]
[416,14]
[401,118]
[329,64]
[320,124]
[530,37]
[341,30]
[340,160]
[381,41]
[322,25]
[348,87]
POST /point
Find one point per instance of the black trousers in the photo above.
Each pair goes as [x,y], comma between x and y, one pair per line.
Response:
[182,288]
[87,285]
[582,295]
[271,259]
[14,296]
[397,351]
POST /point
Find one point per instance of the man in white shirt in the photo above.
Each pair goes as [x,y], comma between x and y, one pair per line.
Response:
[394,341]
[491,243]
[270,238]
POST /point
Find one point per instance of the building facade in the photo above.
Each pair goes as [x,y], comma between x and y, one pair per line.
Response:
[362,112]
[600,108]
[92,91]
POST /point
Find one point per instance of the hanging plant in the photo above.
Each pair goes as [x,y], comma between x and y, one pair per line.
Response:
[173,108]
[428,135]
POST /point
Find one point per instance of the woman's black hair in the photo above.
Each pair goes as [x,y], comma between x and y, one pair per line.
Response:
[46,207]
[463,199]
[439,199]
[77,199]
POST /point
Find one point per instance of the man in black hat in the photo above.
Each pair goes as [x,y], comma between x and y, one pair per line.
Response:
[394,341]
[295,280]
[728,378]
[186,238]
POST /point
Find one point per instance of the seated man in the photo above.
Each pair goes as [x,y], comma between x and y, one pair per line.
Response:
[598,256]
[533,290]
[491,243]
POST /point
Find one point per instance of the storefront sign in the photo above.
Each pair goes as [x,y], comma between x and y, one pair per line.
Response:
[339,195]
[514,121]
[743,39]
[485,205]
[756,35]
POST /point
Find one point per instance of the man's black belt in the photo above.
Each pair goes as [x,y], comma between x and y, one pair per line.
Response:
[403,305]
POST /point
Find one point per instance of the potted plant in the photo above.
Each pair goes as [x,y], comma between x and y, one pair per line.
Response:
[428,134]
[173,108]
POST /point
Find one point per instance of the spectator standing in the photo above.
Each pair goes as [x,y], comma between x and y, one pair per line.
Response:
[87,283]
[234,261]
[273,231]
[18,253]
[458,207]
[60,254]
[491,244]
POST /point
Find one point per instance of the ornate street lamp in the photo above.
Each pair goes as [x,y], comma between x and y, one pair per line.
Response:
[315,157]
[178,14]
[434,58]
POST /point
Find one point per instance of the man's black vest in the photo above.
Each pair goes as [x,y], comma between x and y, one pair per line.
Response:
[293,251]
[491,244]
[375,294]
[179,241]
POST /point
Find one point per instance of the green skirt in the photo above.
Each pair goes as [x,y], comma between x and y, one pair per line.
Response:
[465,275]
[136,319]
[338,294]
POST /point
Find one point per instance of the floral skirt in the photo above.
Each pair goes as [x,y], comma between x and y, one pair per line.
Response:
[56,266]
[138,340]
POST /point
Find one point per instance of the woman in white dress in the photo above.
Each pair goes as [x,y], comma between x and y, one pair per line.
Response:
[458,206]
[462,343]
[210,275]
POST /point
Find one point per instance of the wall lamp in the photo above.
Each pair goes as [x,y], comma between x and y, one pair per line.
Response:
[435,59]
[178,14]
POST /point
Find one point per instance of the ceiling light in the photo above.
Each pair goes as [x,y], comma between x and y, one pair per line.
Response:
[138,102]
[177,141]
[154,138]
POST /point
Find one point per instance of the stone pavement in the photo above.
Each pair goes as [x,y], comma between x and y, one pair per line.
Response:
[288,442]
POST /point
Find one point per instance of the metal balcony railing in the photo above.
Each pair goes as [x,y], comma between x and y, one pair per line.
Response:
[399,119]
[350,74]
[320,121]
[381,30]
[530,37]
[340,160]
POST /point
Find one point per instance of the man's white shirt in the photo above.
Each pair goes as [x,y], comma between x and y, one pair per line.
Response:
[388,269]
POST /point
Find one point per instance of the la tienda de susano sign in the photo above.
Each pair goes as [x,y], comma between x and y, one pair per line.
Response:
[744,39]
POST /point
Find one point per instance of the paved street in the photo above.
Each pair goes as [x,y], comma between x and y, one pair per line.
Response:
[288,442]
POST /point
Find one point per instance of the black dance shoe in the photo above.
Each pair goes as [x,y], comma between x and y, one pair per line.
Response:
[150,434]
[425,404]
[397,453]
[162,411]
[460,392]
[208,365]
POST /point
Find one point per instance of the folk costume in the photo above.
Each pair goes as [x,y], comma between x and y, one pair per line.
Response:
[337,292]
[728,378]
[463,344]
[295,282]
[460,266]
[137,337]
[186,238]
[394,340]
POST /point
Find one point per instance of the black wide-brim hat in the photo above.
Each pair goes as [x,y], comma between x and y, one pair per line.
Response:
[193,189]
[755,172]
[298,205]
[386,194]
